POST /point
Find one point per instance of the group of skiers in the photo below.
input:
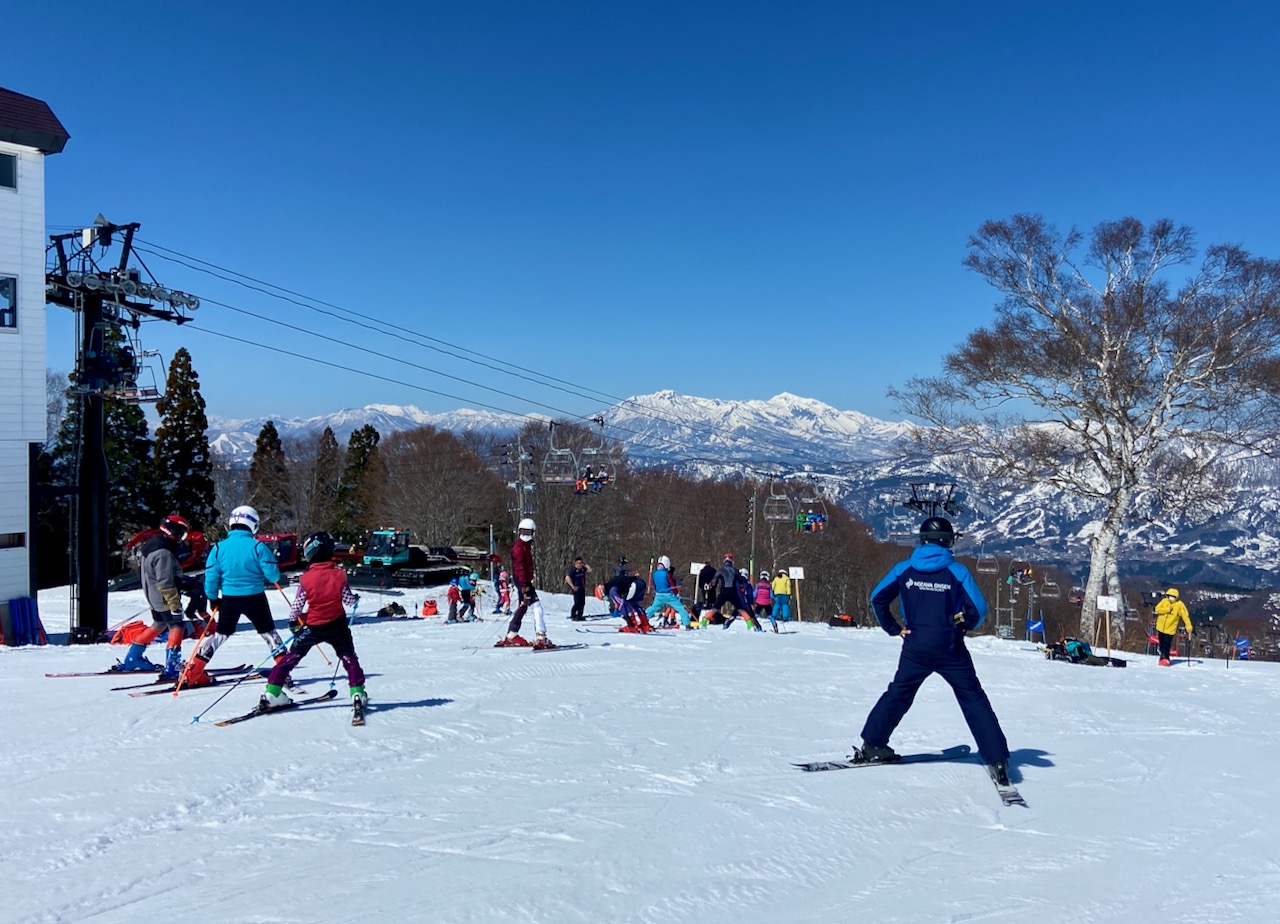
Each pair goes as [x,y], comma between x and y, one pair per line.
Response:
[938,599]
[724,594]
[236,573]
[727,593]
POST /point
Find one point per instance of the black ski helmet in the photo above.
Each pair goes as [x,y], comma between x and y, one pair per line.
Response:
[938,531]
[318,547]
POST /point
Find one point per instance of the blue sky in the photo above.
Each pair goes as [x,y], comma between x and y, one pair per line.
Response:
[727,199]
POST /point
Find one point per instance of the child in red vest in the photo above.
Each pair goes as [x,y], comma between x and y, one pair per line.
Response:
[452,596]
[323,594]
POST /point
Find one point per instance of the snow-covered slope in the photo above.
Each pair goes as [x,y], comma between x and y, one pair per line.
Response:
[638,780]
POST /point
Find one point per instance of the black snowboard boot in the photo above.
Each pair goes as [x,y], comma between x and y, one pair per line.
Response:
[877,753]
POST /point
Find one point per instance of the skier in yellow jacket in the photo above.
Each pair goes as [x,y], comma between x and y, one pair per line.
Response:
[1169,612]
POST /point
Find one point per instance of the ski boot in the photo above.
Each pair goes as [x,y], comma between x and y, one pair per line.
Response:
[876,753]
[274,698]
[358,693]
[1165,662]
[1000,772]
[196,674]
[512,641]
[542,642]
[172,664]
[135,660]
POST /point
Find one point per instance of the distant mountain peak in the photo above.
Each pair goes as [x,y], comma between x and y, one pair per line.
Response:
[856,461]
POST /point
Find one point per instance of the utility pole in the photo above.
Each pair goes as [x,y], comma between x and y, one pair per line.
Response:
[751,528]
[110,302]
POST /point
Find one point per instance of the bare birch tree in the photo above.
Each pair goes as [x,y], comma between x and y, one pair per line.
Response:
[1144,387]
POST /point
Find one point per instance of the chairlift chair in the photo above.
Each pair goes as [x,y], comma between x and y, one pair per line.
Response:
[778,507]
[1050,590]
[596,465]
[812,514]
[901,523]
[559,466]
[987,564]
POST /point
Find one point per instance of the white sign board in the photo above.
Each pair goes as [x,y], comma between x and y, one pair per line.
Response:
[796,574]
[1107,603]
[695,568]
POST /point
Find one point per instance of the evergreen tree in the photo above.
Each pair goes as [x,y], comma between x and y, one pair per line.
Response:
[359,484]
[268,488]
[184,465]
[132,503]
[134,493]
[325,482]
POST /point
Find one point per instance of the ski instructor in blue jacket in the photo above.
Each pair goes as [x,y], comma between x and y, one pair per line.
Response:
[940,601]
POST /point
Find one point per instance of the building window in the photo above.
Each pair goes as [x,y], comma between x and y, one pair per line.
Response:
[13,540]
[8,302]
[9,171]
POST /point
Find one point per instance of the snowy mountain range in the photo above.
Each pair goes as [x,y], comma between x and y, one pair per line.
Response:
[861,463]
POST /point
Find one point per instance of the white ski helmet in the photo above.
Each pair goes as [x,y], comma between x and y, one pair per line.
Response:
[244,516]
[744,572]
[664,561]
[527,525]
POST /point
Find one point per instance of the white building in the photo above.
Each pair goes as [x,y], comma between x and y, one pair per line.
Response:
[28,132]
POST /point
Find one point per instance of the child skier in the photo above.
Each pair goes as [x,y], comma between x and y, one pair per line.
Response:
[504,592]
[781,597]
[625,593]
[666,593]
[323,592]
[467,608]
[742,587]
[453,595]
[764,600]
[234,575]
[161,579]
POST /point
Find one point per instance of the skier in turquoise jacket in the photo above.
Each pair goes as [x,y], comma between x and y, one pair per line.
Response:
[665,593]
[235,575]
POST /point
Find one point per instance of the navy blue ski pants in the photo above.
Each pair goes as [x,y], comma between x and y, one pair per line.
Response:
[956,668]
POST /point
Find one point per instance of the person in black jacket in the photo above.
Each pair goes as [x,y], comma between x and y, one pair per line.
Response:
[576,579]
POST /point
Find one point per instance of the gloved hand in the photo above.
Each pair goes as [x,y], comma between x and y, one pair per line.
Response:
[357,596]
[526,593]
[213,606]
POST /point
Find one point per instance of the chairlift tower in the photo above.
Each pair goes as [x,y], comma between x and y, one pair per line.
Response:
[110,303]
[931,498]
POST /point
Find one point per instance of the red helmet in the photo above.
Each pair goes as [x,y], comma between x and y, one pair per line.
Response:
[728,556]
[175,527]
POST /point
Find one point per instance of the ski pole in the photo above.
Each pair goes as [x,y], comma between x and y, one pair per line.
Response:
[351,621]
[483,630]
[290,602]
[271,654]
[127,619]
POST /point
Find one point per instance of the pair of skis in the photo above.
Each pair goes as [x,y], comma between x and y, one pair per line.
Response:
[358,709]
[1009,794]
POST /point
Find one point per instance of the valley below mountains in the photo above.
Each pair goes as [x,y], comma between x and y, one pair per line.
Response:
[800,446]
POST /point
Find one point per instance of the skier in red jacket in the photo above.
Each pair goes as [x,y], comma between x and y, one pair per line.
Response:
[320,605]
[524,573]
